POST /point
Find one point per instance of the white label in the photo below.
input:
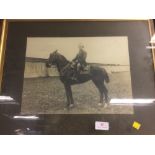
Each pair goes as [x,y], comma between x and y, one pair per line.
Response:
[101,125]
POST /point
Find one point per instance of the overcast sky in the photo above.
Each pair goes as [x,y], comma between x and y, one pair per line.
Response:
[111,50]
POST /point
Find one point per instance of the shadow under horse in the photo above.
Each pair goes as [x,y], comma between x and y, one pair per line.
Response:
[96,74]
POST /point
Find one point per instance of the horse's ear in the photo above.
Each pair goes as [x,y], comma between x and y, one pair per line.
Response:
[56,51]
[53,53]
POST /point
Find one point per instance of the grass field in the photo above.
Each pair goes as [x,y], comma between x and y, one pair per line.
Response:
[47,96]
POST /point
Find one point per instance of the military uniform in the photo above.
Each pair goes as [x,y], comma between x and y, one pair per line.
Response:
[79,63]
[81,58]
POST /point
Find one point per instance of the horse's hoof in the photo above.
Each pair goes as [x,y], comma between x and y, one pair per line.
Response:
[99,104]
[105,105]
[71,106]
[65,109]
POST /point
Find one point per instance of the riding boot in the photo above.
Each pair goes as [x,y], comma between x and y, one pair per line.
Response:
[75,76]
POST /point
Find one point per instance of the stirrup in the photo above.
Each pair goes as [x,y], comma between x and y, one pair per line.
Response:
[74,78]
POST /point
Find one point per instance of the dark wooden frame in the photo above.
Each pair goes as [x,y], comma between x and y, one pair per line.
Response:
[79,124]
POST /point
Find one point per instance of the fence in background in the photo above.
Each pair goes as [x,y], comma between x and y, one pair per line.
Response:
[37,68]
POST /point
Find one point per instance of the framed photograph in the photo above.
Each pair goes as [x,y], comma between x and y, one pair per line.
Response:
[72,74]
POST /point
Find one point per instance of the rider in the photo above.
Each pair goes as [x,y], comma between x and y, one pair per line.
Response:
[79,62]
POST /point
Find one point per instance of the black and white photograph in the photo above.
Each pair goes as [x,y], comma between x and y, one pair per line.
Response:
[76,75]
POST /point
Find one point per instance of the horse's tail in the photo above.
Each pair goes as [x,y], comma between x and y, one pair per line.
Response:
[106,76]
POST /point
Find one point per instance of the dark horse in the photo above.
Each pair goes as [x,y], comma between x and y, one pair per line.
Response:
[96,74]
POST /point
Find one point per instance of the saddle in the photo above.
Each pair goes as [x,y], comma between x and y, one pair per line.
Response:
[71,72]
[85,70]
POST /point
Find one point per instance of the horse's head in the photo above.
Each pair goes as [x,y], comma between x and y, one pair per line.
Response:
[52,60]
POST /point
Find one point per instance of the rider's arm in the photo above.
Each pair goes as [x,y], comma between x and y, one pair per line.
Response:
[75,58]
[85,55]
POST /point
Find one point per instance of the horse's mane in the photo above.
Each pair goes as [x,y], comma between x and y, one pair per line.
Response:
[63,58]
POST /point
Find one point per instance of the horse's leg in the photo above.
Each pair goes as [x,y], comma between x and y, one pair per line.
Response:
[98,84]
[101,96]
[69,95]
[105,93]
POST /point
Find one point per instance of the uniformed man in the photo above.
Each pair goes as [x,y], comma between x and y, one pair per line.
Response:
[79,62]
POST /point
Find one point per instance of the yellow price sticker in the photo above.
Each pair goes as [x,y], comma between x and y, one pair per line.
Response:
[136,125]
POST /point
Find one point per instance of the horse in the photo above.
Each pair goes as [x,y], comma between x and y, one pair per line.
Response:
[97,74]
